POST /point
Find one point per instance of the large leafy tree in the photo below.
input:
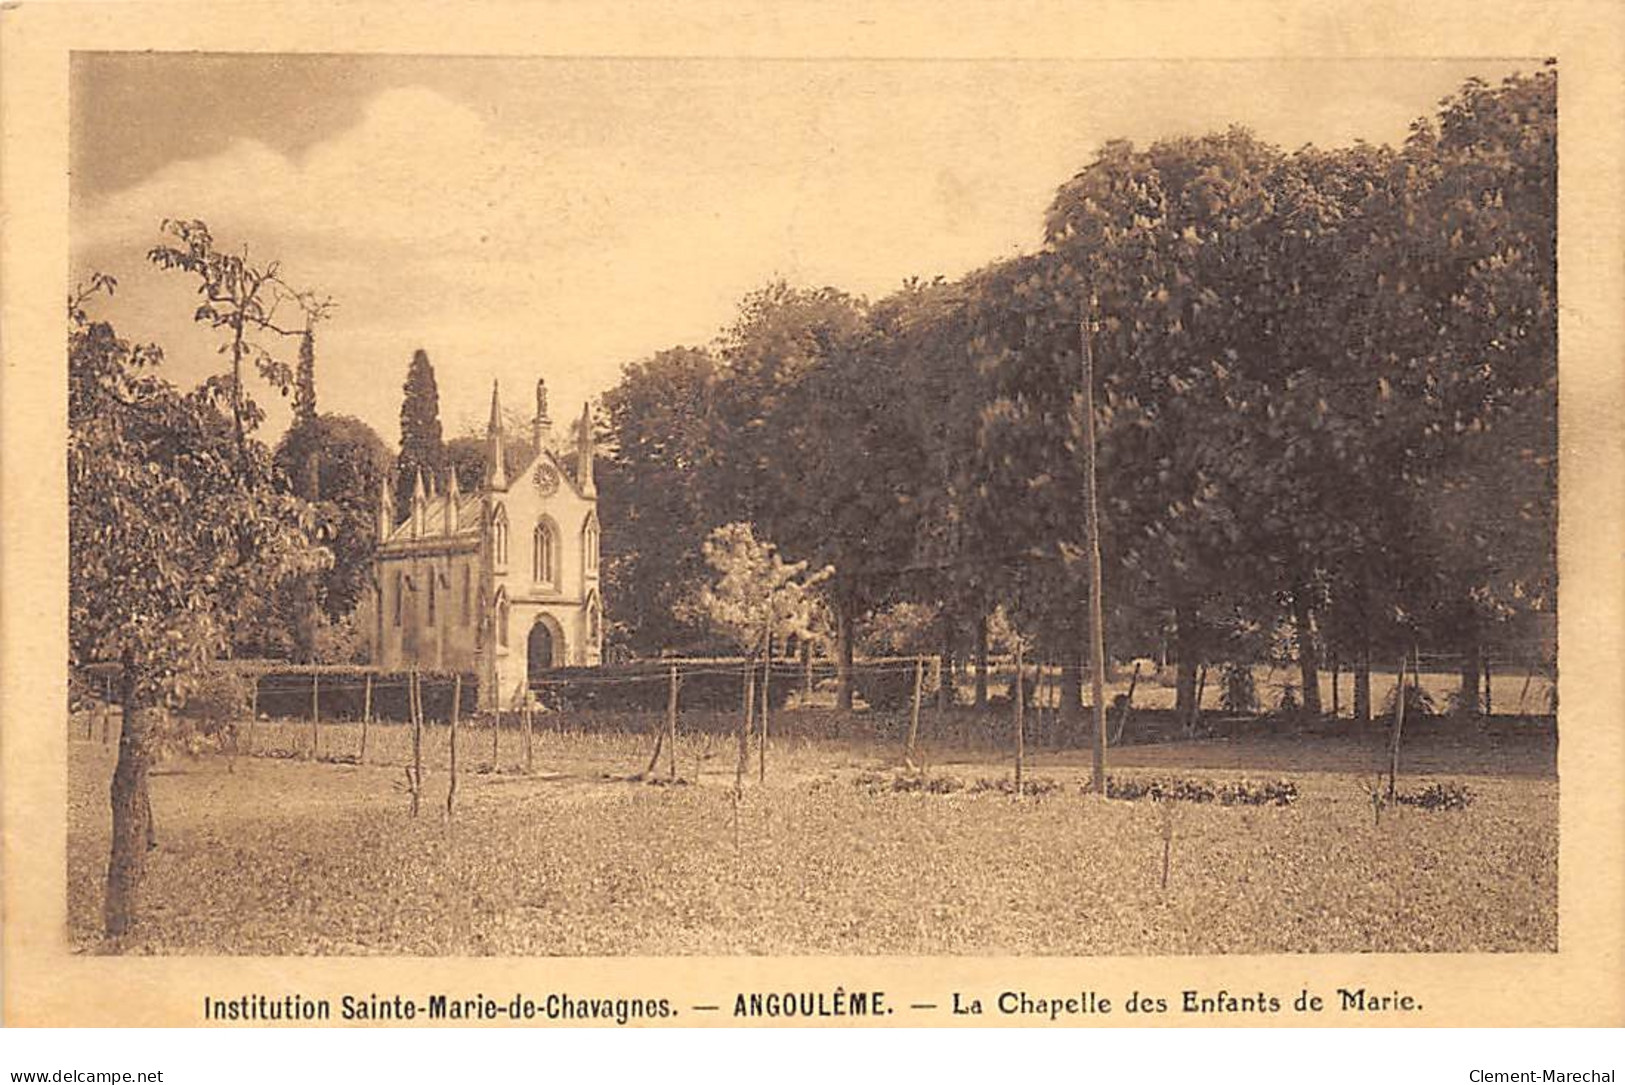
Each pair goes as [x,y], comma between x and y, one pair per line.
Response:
[173,531]
[655,503]
[353,464]
[810,449]
[1460,286]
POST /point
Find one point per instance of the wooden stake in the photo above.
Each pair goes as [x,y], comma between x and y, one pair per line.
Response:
[529,753]
[1336,710]
[366,718]
[315,715]
[456,705]
[1489,705]
[1019,689]
[415,697]
[1399,728]
[914,714]
[761,740]
[253,712]
[1128,703]
[671,726]
[1196,704]
[1091,521]
[744,731]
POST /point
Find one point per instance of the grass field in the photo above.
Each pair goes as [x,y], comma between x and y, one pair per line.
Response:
[277,855]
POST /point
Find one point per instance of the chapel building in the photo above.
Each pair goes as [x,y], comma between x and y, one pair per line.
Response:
[502,583]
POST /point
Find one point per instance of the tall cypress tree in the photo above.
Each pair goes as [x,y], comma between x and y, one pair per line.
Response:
[421,445]
[304,391]
[308,486]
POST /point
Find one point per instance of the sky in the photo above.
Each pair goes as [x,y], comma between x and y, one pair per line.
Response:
[538,217]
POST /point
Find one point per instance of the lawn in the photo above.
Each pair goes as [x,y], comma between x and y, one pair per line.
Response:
[281,855]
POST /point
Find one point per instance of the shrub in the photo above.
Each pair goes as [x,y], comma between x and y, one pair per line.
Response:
[1239,695]
[1288,703]
[907,782]
[219,699]
[887,687]
[1237,793]
[1437,796]
[1417,702]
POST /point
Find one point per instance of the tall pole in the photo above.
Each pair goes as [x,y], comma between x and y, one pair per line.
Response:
[1097,622]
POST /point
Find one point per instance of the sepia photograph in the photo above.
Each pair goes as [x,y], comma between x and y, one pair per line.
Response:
[533,506]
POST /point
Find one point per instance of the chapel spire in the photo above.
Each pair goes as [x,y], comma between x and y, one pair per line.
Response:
[584,453]
[496,472]
[386,510]
[419,503]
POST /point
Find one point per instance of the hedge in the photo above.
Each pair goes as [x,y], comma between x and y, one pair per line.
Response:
[644,687]
[888,687]
[341,695]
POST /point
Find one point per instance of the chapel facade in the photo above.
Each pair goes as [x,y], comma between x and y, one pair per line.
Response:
[502,583]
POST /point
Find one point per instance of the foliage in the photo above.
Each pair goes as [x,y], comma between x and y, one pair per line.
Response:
[247,301]
[887,687]
[352,466]
[1238,693]
[756,594]
[655,501]
[1437,796]
[1233,793]
[304,381]
[1418,702]
[904,628]
[173,533]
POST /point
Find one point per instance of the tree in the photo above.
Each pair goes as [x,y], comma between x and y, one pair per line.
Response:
[353,464]
[172,531]
[654,501]
[754,593]
[421,445]
[304,393]
[247,300]
[810,449]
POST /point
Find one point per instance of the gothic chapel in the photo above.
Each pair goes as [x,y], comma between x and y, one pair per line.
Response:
[502,583]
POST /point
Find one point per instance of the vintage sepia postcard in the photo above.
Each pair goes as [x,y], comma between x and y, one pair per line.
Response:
[771,515]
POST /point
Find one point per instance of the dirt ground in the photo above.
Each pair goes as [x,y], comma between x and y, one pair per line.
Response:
[275,854]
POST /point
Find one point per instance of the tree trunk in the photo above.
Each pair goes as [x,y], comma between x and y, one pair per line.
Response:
[1185,652]
[1468,700]
[1071,711]
[1308,652]
[1362,684]
[132,810]
[843,658]
[981,660]
[945,671]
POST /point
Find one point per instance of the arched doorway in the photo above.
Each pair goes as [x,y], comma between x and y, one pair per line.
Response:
[544,649]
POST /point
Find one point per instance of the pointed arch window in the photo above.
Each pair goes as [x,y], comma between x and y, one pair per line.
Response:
[544,554]
[589,543]
[502,619]
[595,618]
[499,536]
[398,598]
